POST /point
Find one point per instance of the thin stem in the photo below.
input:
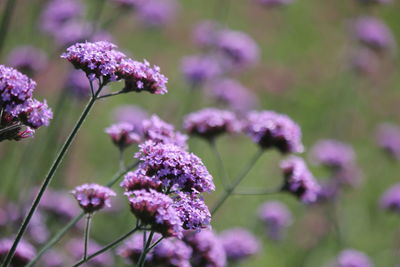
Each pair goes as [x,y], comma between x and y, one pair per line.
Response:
[142,257]
[49,177]
[155,244]
[111,94]
[232,188]
[107,247]
[121,159]
[10,128]
[5,22]
[220,165]
[87,235]
[91,87]
[73,221]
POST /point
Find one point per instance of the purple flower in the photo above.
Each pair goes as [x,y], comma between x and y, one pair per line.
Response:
[208,250]
[133,247]
[27,59]
[192,210]
[23,254]
[332,154]
[233,94]
[274,3]
[373,33]
[239,244]
[210,123]
[78,85]
[37,228]
[15,87]
[75,248]
[272,130]
[365,61]
[276,217]
[239,49]
[155,209]
[99,59]
[171,252]
[388,138]
[53,258]
[175,167]
[140,77]
[329,191]
[299,180]
[137,180]
[131,114]
[123,134]
[159,131]
[391,199]
[33,113]
[353,258]
[199,69]
[73,32]
[157,13]
[93,197]
[59,204]
[206,33]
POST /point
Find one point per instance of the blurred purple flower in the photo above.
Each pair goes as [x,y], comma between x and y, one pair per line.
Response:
[157,13]
[123,134]
[332,154]
[274,3]
[299,180]
[77,84]
[353,258]
[239,244]
[131,114]
[373,33]
[27,59]
[175,167]
[133,247]
[73,32]
[53,258]
[391,199]
[276,217]
[93,197]
[37,228]
[208,250]
[206,33]
[233,94]
[59,204]
[388,138]
[273,130]
[75,248]
[171,252]
[199,69]
[365,61]
[209,123]
[24,253]
[329,191]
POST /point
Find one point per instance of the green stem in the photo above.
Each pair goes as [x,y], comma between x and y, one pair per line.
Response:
[109,246]
[232,188]
[73,221]
[142,257]
[86,235]
[49,177]
[5,22]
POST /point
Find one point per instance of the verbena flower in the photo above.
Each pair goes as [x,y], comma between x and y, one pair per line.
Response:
[272,130]
[388,138]
[133,247]
[37,229]
[59,204]
[24,253]
[206,33]
[199,69]
[332,154]
[239,244]
[238,48]
[210,123]
[353,258]
[32,113]
[192,210]
[159,131]
[73,32]
[123,134]
[171,252]
[175,167]
[274,3]
[137,180]
[233,94]
[93,197]
[391,199]
[131,114]
[27,59]
[364,61]
[207,248]
[155,209]
[53,258]
[75,248]
[373,33]
[276,217]
[157,13]
[15,87]
[299,180]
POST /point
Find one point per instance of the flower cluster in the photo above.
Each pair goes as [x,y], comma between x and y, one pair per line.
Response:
[332,154]
[210,122]
[133,247]
[102,59]
[353,258]
[239,244]
[391,199]
[93,197]
[199,69]
[373,33]
[27,59]
[299,180]
[132,115]
[17,106]
[276,217]
[137,180]
[157,13]
[388,138]
[272,130]
[23,254]
[123,134]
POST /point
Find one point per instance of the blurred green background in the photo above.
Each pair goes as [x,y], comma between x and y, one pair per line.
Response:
[304,73]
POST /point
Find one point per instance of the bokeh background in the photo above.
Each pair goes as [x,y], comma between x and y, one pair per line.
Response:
[305,72]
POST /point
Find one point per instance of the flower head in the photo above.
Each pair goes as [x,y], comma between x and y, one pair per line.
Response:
[210,123]
[93,197]
[373,33]
[133,247]
[206,33]
[155,209]
[239,244]
[157,13]
[333,154]
[24,253]
[175,167]
[272,130]
[199,69]
[131,114]
[299,180]
[137,180]
[58,203]
[207,248]
[276,217]
[123,134]
[391,199]
[171,252]
[27,59]
[353,258]
[15,87]
[388,138]
[33,113]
